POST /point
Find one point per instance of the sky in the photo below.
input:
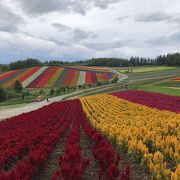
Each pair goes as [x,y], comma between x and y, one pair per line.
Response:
[81,29]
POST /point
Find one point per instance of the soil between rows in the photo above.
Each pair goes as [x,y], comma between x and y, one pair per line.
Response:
[137,172]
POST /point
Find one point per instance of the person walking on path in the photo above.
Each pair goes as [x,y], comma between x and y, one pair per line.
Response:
[47,99]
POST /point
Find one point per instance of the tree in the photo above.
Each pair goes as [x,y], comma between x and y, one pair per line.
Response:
[18,86]
[23,95]
[84,86]
[51,92]
[63,89]
[3,94]
[24,64]
[27,93]
[58,91]
[90,85]
[41,91]
[68,88]
[115,80]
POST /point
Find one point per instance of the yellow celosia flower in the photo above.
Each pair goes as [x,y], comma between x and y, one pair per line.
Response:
[171,153]
[166,173]
[174,176]
[151,166]
[177,172]
[166,150]
[158,177]
[158,157]
[176,156]
[157,168]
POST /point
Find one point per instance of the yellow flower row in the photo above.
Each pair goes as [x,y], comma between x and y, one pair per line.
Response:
[148,132]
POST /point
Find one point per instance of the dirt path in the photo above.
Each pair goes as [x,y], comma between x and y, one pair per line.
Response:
[52,164]
[91,171]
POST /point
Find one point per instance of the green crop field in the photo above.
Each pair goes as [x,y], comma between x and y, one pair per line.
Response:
[164,90]
[169,83]
[147,69]
[145,75]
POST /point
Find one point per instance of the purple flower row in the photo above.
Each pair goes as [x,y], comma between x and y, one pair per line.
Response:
[151,99]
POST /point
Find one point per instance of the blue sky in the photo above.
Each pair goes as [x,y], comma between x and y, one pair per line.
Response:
[82,29]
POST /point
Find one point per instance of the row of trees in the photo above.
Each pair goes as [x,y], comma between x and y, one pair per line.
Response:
[68,89]
[35,62]
[113,62]
[18,91]
[18,88]
[169,59]
[166,60]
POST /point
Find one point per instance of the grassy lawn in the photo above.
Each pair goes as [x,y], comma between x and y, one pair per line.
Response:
[169,84]
[164,90]
[147,69]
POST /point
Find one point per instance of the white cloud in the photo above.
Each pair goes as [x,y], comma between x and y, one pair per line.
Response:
[69,29]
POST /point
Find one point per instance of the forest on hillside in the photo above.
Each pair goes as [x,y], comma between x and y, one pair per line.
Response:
[165,60]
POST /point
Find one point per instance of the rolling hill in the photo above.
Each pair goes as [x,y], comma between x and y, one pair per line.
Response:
[55,76]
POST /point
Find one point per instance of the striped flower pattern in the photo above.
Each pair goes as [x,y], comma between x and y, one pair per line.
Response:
[54,76]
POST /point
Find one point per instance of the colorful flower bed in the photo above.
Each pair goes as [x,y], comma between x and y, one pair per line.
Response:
[176,79]
[151,99]
[28,140]
[33,77]
[50,77]
[52,81]
[107,125]
[149,135]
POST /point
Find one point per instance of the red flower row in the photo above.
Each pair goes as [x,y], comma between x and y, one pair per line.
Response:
[71,163]
[28,139]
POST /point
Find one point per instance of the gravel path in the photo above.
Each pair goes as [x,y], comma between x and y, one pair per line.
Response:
[121,76]
[16,110]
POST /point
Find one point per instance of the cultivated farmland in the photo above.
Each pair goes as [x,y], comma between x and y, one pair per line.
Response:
[54,77]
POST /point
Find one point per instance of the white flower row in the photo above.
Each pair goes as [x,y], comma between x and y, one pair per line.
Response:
[34,76]
[81,79]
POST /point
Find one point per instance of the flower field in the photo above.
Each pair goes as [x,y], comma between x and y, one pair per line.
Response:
[154,100]
[176,79]
[150,135]
[82,137]
[53,76]
[28,140]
